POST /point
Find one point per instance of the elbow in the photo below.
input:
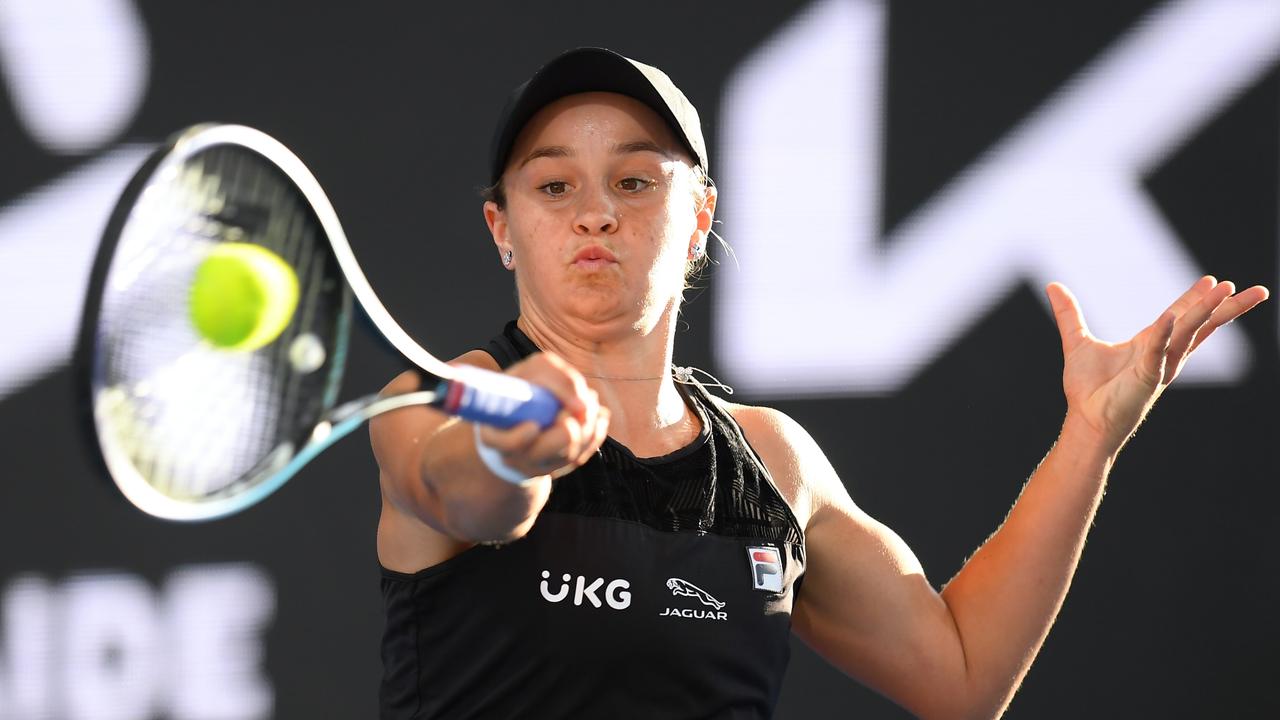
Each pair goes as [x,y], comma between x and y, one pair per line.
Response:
[501,534]
[984,711]
[965,694]
[486,521]
[973,703]
[962,710]
[487,512]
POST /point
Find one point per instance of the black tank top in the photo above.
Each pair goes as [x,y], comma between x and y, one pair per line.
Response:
[647,588]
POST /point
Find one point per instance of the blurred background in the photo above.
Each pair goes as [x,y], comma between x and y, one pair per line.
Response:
[898,184]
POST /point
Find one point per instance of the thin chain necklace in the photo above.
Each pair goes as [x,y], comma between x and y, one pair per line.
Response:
[683,375]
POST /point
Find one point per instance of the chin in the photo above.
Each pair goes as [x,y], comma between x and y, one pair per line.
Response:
[599,316]
[604,306]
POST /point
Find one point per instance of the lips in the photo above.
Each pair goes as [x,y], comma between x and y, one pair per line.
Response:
[593,256]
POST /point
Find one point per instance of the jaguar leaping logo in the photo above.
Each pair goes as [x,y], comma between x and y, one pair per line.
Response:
[684,587]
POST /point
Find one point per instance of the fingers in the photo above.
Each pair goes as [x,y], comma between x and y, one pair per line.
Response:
[1188,321]
[599,430]
[559,445]
[1193,294]
[568,442]
[590,444]
[552,372]
[1206,306]
[513,445]
[1154,356]
[1195,316]
[1232,308]
[1066,311]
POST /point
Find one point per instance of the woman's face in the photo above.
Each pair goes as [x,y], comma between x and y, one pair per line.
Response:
[602,208]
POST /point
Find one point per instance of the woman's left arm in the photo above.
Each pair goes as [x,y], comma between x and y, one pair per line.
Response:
[962,653]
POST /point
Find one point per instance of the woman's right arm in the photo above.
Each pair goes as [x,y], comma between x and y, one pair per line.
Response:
[431,471]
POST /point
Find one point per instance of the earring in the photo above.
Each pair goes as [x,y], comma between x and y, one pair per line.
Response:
[695,252]
[506,258]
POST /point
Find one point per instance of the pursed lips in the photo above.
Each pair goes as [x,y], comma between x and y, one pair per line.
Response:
[593,257]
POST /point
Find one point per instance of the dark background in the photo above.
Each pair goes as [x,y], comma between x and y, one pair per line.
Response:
[391,104]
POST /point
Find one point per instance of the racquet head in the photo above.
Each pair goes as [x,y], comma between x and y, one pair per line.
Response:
[217,323]
[189,428]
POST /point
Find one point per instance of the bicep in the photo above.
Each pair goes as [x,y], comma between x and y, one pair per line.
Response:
[866,604]
[868,608]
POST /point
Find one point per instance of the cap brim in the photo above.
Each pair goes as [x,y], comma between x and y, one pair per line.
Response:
[580,71]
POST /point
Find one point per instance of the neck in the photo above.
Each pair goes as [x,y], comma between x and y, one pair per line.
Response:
[631,372]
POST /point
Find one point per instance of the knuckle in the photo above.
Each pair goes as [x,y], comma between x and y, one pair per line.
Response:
[494,438]
[574,436]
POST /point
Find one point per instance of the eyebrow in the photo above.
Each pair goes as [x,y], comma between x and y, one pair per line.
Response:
[547,151]
[560,151]
[640,146]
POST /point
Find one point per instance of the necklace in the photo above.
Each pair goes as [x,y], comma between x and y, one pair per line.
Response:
[683,375]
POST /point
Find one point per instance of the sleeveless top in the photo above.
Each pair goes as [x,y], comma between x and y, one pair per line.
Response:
[647,588]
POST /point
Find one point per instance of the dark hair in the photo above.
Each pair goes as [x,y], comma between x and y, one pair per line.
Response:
[496,194]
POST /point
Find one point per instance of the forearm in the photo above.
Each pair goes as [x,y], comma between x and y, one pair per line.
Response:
[1007,595]
[465,499]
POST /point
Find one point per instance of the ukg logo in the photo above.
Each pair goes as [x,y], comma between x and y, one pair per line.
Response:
[616,593]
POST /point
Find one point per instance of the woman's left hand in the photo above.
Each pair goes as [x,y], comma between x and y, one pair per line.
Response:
[1111,386]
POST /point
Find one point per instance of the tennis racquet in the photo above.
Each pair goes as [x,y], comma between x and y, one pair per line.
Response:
[190,430]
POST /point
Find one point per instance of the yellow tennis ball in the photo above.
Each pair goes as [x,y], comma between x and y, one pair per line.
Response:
[242,297]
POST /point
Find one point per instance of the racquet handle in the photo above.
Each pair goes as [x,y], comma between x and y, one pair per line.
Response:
[495,399]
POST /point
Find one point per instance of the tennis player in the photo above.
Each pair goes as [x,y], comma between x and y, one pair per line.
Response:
[649,554]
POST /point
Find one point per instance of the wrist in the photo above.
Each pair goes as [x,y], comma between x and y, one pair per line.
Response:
[1085,445]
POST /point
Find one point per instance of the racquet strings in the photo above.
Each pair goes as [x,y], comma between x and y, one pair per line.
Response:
[194,421]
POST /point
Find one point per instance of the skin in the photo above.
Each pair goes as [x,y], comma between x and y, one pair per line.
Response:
[603,171]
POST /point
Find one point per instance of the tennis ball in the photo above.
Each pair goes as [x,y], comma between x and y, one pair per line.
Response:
[242,297]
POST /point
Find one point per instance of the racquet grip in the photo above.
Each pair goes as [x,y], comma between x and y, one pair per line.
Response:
[495,399]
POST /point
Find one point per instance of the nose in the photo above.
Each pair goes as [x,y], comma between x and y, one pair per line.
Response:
[596,214]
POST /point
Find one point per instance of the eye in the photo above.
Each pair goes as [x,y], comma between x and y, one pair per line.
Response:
[555,188]
[634,184]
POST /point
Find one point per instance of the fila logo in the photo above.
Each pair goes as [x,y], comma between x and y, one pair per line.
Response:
[616,593]
[685,588]
[766,568]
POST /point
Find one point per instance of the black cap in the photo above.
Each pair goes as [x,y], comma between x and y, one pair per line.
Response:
[596,70]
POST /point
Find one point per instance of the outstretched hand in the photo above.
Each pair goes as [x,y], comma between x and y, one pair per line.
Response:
[1111,386]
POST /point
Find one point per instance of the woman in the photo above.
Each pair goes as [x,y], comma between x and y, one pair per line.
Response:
[644,555]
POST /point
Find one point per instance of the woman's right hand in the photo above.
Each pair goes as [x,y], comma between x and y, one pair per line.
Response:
[568,442]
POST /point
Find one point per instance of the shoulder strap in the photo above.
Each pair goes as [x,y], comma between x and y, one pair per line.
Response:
[764,494]
[510,347]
